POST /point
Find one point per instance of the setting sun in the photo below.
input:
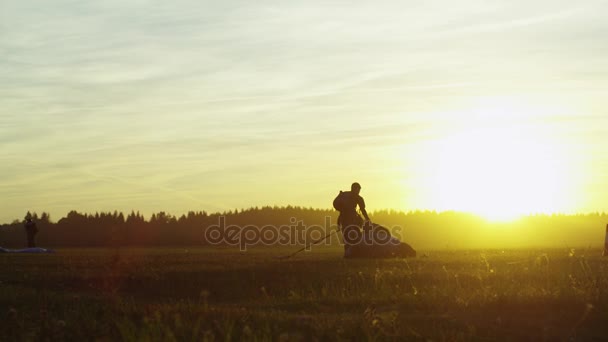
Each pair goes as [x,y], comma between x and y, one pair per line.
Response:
[500,170]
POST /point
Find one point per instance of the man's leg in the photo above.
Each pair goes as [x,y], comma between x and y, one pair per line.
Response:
[352,237]
[30,240]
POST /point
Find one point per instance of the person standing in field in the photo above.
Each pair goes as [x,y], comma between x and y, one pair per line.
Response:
[349,221]
[30,229]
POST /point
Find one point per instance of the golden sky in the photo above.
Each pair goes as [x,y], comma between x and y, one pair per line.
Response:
[494,107]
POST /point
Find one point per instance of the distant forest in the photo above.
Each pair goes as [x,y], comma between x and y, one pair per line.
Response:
[422,229]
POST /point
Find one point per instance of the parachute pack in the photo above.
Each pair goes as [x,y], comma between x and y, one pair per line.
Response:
[340,201]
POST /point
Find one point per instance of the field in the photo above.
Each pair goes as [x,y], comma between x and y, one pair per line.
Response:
[220,294]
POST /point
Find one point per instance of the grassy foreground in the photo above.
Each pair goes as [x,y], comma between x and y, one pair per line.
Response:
[221,294]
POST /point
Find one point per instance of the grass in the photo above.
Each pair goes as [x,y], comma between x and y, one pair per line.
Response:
[218,294]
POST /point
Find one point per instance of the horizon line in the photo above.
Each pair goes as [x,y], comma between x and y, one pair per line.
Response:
[236,211]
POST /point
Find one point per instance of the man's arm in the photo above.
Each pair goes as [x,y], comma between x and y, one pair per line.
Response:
[362,207]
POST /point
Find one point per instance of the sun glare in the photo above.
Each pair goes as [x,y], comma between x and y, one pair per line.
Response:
[499,167]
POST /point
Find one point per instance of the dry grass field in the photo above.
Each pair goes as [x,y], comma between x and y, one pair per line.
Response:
[220,294]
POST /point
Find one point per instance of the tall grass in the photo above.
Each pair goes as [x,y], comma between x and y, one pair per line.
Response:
[221,294]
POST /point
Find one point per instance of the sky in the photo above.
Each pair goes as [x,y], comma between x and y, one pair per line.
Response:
[495,107]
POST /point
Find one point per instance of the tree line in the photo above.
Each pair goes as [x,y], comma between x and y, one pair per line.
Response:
[422,229]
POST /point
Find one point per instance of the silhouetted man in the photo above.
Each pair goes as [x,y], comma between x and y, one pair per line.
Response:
[31,230]
[349,220]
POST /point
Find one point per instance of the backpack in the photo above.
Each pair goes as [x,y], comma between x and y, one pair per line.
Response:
[340,201]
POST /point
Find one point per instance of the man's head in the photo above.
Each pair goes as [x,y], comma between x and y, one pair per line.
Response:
[355,188]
